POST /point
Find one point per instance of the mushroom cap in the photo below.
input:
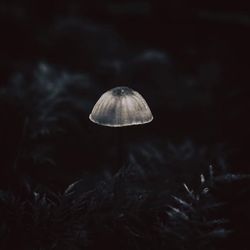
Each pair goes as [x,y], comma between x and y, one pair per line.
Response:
[119,107]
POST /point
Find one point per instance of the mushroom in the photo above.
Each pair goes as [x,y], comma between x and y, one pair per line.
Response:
[121,107]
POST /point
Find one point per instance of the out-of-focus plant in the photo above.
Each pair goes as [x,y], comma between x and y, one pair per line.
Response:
[130,216]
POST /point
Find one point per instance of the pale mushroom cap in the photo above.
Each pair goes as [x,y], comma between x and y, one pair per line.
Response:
[121,106]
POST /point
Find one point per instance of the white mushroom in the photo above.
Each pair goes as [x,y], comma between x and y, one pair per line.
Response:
[119,107]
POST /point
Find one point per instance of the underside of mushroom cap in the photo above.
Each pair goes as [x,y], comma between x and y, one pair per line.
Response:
[119,107]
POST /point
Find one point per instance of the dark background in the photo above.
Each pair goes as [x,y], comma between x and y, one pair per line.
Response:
[189,59]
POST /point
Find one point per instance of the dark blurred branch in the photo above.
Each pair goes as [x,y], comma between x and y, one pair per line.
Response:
[225,17]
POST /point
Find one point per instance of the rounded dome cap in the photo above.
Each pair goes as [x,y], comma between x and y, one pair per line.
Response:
[121,106]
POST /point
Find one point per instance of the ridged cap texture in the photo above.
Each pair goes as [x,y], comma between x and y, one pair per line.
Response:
[121,106]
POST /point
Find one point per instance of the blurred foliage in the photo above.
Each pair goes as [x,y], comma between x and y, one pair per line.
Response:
[189,60]
[118,213]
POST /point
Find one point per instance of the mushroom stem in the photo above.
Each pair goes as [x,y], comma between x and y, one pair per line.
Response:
[121,148]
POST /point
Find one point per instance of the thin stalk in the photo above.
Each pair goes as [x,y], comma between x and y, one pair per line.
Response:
[121,149]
